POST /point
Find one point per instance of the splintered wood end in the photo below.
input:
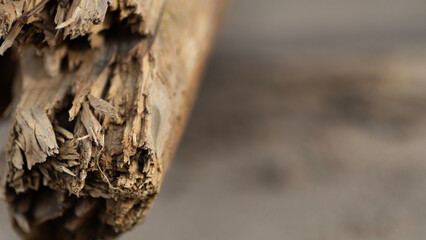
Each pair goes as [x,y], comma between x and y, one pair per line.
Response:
[105,88]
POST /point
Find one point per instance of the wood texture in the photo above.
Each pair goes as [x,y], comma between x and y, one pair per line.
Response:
[106,88]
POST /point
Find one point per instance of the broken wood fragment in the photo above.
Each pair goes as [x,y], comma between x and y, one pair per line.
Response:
[105,91]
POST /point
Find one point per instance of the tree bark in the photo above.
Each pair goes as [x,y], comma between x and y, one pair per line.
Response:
[105,88]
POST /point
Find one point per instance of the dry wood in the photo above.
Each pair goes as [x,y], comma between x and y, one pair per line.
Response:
[105,91]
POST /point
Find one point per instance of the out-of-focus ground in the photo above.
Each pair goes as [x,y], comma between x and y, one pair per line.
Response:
[310,124]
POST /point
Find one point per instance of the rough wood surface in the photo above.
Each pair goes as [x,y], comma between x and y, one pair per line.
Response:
[105,91]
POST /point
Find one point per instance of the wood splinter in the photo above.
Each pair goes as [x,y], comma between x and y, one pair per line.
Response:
[104,91]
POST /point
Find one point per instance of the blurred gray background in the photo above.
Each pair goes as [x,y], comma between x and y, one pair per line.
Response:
[310,124]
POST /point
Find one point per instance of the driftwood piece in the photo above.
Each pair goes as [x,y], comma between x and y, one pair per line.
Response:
[105,90]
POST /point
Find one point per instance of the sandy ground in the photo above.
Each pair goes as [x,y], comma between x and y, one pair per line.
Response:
[311,124]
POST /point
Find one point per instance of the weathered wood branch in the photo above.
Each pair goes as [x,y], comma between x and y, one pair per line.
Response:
[105,90]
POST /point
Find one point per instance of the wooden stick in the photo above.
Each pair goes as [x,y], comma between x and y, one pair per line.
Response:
[99,117]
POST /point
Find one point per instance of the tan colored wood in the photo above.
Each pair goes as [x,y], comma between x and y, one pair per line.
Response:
[99,117]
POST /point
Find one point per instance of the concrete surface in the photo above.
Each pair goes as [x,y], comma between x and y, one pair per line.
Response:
[310,125]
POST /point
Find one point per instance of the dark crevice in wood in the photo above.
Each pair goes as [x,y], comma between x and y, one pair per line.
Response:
[8,66]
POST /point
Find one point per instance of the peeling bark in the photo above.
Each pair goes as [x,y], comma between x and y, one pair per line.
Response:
[106,87]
